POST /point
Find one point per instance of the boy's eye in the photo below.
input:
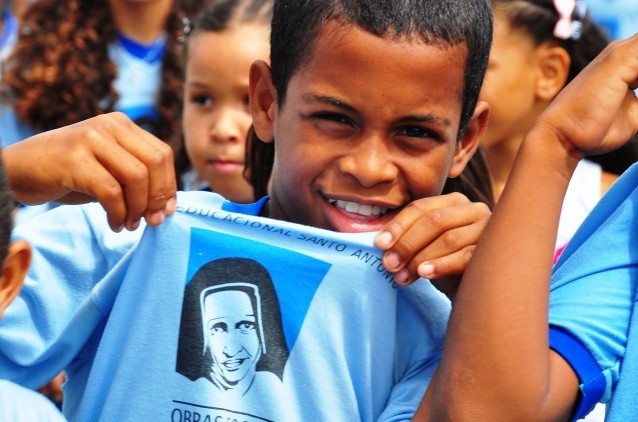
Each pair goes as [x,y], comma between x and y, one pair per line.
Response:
[416,132]
[202,99]
[246,100]
[334,117]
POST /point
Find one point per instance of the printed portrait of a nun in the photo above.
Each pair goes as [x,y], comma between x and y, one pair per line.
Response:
[231,329]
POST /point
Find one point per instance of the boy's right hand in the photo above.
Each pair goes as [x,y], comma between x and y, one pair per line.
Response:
[106,158]
[433,238]
[598,111]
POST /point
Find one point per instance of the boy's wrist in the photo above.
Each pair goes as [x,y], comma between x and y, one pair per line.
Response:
[547,146]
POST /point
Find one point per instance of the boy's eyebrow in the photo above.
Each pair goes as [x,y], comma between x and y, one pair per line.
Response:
[309,98]
[426,118]
[418,118]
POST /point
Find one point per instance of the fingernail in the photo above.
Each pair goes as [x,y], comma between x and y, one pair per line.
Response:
[118,229]
[392,260]
[171,206]
[426,270]
[402,276]
[156,218]
[384,239]
[133,226]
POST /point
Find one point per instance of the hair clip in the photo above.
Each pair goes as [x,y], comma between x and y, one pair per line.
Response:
[571,14]
[186,29]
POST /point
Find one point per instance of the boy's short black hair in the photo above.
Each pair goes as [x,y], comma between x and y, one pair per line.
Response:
[297,23]
[7,205]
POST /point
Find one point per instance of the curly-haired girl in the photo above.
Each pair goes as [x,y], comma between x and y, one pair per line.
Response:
[77,59]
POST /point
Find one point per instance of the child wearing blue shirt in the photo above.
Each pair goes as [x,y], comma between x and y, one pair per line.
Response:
[16,402]
[357,148]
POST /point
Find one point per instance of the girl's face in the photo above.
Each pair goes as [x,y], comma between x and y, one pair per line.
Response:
[216,118]
[509,85]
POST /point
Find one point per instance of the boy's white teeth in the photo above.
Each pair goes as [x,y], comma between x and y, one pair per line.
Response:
[365,210]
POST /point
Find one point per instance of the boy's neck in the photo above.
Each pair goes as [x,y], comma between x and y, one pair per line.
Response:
[142,22]
[265,210]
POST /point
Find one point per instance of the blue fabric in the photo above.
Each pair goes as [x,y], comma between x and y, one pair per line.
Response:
[19,404]
[150,53]
[618,18]
[593,292]
[585,366]
[9,32]
[142,321]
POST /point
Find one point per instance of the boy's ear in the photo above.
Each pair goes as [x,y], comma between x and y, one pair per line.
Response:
[553,66]
[471,140]
[263,100]
[14,270]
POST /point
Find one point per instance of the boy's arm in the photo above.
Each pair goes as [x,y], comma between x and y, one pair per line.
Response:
[497,364]
[106,158]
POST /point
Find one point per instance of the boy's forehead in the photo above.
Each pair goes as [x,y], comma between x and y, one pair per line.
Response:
[351,56]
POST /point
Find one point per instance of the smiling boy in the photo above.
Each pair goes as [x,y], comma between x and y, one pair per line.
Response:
[372,106]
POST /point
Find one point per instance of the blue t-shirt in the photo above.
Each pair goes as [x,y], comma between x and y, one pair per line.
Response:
[593,292]
[8,35]
[219,313]
[618,18]
[19,404]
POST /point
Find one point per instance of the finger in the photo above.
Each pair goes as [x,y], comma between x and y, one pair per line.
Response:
[157,157]
[114,151]
[392,231]
[445,266]
[107,190]
[437,233]
[432,264]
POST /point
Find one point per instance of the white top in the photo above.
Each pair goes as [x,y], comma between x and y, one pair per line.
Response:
[582,195]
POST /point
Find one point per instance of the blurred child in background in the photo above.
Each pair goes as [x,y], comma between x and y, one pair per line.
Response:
[534,55]
[75,59]
[16,403]
[224,40]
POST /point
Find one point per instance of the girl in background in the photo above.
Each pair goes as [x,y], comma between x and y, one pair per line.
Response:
[539,46]
[225,39]
[77,59]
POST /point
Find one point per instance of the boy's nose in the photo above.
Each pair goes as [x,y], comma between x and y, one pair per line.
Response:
[369,162]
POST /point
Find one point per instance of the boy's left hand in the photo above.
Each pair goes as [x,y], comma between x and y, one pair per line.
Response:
[433,238]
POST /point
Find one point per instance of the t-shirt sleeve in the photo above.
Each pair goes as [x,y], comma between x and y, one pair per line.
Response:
[59,304]
[593,290]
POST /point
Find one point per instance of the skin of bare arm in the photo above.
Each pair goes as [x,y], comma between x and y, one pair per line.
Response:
[496,363]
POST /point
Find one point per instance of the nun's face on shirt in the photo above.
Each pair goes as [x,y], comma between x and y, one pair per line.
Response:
[231,327]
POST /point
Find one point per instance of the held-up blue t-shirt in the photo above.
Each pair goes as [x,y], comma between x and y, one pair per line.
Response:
[592,298]
[219,314]
[19,404]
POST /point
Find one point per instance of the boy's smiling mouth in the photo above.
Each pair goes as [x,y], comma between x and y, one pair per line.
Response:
[361,209]
[352,217]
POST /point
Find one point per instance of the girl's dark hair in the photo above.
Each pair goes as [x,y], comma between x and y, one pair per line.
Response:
[60,72]
[218,16]
[538,19]
[474,181]
[260,157]
[7,205]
